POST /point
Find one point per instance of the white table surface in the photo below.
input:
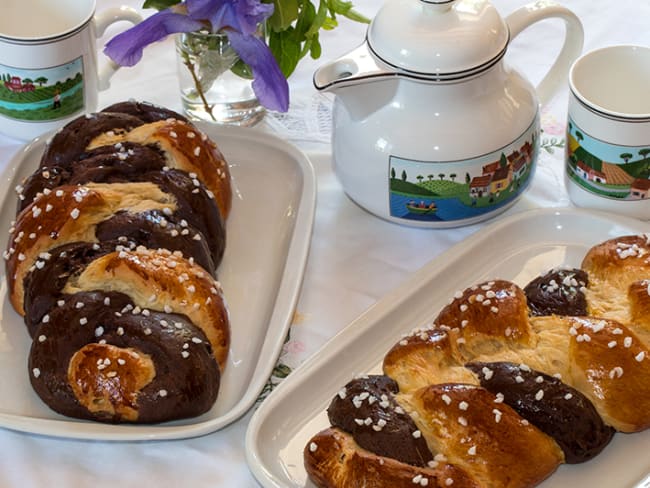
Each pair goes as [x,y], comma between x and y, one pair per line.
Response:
[354,259]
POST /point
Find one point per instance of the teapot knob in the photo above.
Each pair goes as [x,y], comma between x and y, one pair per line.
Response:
[439,5]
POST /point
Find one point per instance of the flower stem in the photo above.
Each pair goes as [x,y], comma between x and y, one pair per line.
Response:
[191,67]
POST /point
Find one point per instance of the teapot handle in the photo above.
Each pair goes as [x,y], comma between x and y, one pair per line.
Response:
[571,49]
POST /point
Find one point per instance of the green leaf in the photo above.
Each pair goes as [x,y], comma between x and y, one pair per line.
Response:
[339,6]
[346,9]
[315,48]
[356,16]
[319,19]
[285,49]
[159,4]
[242,70]
[305,21]
[212,64]
[330,24]
[281,371]
[285,12]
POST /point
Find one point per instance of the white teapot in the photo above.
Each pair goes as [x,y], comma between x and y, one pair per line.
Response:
[431,128]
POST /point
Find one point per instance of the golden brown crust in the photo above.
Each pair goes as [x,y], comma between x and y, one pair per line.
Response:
[619,261]
[611,366]
[492,308]
[98,356]
[618,289]
[185,148]
[333,460]
[582,351]
[106,379]
[111,260]
[160,280]
[639,303]
[605,357]
[70,214]
[425,356]
[461,421]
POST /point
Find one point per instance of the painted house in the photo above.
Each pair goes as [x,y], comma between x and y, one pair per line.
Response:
[519,168]
[497,176]
[516,156]
[501,179]
[490,169]
[598,176]
[590,174]
[479,186]
[528,149]
[640,189]
[582,170]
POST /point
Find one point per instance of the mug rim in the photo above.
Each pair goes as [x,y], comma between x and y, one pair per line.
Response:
[33,40]
[594,107]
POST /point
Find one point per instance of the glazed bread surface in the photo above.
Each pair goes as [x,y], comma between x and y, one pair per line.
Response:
[113,260]
[506,384]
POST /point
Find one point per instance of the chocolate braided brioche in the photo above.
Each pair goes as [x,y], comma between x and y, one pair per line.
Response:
[112,262]
[507,383]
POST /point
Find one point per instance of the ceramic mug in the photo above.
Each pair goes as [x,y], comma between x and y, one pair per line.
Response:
[608,131]
[48,62]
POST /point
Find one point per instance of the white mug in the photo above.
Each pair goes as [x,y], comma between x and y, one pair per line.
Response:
[48,62]
[608,131]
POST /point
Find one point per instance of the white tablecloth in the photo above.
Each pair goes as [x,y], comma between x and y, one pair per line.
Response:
[354,259]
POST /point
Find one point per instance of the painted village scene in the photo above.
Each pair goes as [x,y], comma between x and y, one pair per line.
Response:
[41,95]
[433,191]
[617,172]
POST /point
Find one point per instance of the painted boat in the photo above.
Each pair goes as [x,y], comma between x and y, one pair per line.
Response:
[421,208]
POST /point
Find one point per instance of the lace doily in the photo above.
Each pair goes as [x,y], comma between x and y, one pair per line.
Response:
[309,119]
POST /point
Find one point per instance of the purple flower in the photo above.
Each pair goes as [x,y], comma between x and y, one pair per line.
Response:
[236,18]
[126,48]
[269,84]
[239,15]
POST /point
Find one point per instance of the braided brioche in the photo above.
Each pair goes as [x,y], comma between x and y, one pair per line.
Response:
[112,263]
[504,386]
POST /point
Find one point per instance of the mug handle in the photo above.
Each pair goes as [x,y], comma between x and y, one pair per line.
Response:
[102,20]
[573,41]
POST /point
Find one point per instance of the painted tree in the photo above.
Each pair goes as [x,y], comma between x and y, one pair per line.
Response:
[41,80]
[420,178]
[441,176]
[452,176]
[28,81]
[626,156]
[468,178]
[503,161]
[430,177]
[644,154]
[403,175]
[579,136]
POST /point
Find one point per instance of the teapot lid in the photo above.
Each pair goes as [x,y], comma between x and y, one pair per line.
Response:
[445,39]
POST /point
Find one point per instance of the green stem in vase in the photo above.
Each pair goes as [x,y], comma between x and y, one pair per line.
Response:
[187,61]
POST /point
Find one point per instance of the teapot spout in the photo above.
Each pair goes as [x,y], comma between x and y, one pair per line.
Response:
[358,66]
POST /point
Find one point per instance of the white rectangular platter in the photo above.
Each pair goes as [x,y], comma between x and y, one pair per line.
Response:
[268,237]
[517,248]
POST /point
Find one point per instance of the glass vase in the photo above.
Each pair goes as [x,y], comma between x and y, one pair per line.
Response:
[215,84]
